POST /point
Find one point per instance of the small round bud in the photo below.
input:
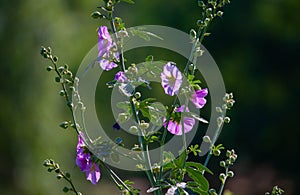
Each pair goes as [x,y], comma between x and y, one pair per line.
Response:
[49,68]
[62,93]
[59,176]
[64,125]
[57,79]
[123,117]
[228,153]
[55,58]
[227,119]
[144,125]
[96,15]
[209,11]
[133,69]
[217,152]
[206,21]
[65,189]
[220,13]
[206,139]
[201,4]
[137,95]
[133,129]
[222,164]
[230,174]
[199,23]
[222,176]
[228,162]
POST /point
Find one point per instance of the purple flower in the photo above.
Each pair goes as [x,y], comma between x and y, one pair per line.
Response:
[116,126]
[171,79]
[85,163]
[106,55]
[121,77]
[93,173]
[175,126]
[198,98]
[104,40]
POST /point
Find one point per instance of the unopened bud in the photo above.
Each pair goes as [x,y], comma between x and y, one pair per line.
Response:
[144,125]
[96,15]
[227,119]
[230,174]
[220,13]
[222,164]
[137,95]
[206,139]
[123,117]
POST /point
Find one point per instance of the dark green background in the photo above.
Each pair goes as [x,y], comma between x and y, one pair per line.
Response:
[256,46]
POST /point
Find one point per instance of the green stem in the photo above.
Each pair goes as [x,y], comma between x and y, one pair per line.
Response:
[70,182]
[116,38]
[115,177]
[144,146]
[68,100]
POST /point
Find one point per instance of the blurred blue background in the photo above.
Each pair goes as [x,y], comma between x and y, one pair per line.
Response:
[256,45]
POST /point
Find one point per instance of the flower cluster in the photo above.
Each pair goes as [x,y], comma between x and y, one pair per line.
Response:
[85,163]
[107,54]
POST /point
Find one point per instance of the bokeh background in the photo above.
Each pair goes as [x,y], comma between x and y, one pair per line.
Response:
[256,46]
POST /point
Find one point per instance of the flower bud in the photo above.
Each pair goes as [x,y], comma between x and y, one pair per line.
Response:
[137,95]
[227,119]
[96,15]
[222,177]
[133,129]
[64,125]
[49,68]
[144,125]
[206,139]
[55,58]
[201,4]
[57,79]
[222,164]
[217,152]
[230,174]
[62,93]
[123,117]
[220,13]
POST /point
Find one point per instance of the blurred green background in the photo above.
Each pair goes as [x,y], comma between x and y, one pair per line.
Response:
[256,46]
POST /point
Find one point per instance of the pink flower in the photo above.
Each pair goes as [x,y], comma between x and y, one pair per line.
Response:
[85,163]
[171,79]
[121,77]
[106,55]
[175,126]
[198,98]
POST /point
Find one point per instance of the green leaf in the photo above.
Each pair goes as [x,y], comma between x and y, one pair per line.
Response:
[181,160]
[197,176]
[199,167]
[128,1]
